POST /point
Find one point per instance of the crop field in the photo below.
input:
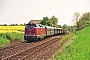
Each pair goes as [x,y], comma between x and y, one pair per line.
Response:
[10,34]
[11,29]
[79,49]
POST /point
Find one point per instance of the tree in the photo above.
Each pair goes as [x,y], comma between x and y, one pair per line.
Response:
[86,16]
[76,17]
[46,21]
[24,24]
[54,21]
[59,26]
[84,21]
[13,24]
[16,24]
[81,24]
[4,25]
[65,26]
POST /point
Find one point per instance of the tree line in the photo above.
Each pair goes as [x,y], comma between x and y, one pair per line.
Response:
[83,20]
[49,21]
[12,24]
[53,21]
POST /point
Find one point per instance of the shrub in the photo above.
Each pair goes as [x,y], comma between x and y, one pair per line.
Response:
[12,36]
[3,41]
[67,37]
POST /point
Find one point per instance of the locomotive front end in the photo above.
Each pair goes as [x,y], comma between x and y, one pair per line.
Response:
[30,32]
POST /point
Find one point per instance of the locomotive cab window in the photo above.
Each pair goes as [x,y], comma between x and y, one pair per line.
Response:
[30,26]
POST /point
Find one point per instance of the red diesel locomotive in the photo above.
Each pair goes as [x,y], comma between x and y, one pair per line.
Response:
[35,32]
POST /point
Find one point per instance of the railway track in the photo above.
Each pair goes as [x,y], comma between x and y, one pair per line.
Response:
[22,51]
[8,52]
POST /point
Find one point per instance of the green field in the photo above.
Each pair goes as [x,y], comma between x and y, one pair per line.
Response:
[10,34]
[77,48]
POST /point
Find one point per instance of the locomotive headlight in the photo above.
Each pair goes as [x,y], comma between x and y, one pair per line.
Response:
[26,34]
[34,33]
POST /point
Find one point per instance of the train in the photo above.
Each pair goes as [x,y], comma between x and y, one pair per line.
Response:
[34,32]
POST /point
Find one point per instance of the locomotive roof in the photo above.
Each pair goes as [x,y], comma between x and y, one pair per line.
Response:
[37,25]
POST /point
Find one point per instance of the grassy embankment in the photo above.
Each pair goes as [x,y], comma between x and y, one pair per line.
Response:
[77,48]
[10,34]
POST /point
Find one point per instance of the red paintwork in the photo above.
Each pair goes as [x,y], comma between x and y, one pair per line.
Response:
[35,31]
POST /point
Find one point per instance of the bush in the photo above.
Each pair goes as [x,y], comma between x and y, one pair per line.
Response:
[10,37]
[3,41]
[67,37]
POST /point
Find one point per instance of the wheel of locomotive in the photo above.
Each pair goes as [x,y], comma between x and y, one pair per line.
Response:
[28,41]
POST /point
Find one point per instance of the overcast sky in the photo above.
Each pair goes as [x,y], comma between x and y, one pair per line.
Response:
[22,11]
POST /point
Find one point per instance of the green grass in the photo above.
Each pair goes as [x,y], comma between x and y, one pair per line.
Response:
[67,37]
[79,49]
[3,41]
[8,37]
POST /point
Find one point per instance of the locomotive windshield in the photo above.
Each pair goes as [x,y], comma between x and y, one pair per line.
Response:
[30,26]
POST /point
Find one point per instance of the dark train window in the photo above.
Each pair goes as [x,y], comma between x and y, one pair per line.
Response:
[30,26]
